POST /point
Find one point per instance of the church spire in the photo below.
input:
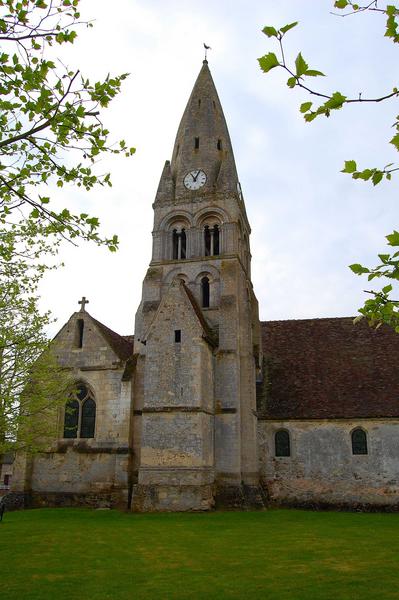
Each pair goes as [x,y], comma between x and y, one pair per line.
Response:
[202,142]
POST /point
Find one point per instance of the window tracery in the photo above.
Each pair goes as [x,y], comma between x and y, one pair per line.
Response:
[80,414]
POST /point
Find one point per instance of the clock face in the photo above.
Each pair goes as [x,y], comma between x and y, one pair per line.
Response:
[195,179]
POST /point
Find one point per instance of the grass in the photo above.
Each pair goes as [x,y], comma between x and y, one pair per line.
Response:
[278,554]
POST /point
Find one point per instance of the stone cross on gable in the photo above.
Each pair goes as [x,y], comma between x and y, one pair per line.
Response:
[83,302]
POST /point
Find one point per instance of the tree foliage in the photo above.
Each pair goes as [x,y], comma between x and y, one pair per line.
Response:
[51,134]
[380,307]
[32,384]
[50,122]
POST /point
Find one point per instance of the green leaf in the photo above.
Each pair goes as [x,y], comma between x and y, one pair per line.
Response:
[288,27]
[358,269]
[393,238]
[301,65]
[395,141]
[291,82]
[350,166]
[336,101]
[314,73]
[385,290]
[268,62]
[270,31]
[390,9]
[341,3]
[305,107]
[376,178]
[310,117]
[365,175]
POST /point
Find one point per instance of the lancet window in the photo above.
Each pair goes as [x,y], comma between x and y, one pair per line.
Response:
[205,292]
[80,414]
[212,240]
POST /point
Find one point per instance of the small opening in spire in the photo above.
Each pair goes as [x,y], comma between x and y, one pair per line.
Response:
[199,103]
[214,104]
[219,144]
[196,143]
[177,150]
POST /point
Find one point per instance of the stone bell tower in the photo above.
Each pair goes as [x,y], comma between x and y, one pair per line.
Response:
[197,330]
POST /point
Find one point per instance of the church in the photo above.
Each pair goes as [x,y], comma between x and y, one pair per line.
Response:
[206,406]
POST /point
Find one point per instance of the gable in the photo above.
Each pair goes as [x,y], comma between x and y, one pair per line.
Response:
[84,341]
[178,310]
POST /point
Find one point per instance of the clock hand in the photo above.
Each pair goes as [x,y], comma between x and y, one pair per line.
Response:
[195,178]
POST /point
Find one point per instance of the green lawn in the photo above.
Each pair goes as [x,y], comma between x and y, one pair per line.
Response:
[277,554]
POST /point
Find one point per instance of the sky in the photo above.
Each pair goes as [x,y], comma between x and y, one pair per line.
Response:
[309,221]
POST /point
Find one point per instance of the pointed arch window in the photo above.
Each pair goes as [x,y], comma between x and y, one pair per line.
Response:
[359,441]
[205,292]
[282,443]
[212,240]
[80,414]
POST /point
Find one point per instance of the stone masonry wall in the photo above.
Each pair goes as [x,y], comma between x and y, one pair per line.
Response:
[99,466]
[322,469]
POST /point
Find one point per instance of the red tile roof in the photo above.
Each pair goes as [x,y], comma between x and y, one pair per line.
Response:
[329,368]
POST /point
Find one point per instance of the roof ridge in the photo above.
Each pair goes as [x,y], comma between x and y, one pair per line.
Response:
[307,319]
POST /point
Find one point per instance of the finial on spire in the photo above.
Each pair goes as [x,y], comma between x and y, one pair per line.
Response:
[83,303]
[206,51]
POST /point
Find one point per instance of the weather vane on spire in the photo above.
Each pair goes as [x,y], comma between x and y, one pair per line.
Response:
[206,49]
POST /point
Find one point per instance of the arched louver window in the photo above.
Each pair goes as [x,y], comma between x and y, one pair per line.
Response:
[212,240]
[359,441]
[282,443]
[175,242]
[88,422]
[205,292]
[80,414]
[183,244]
[179,243]
[71,419]
[216,244]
